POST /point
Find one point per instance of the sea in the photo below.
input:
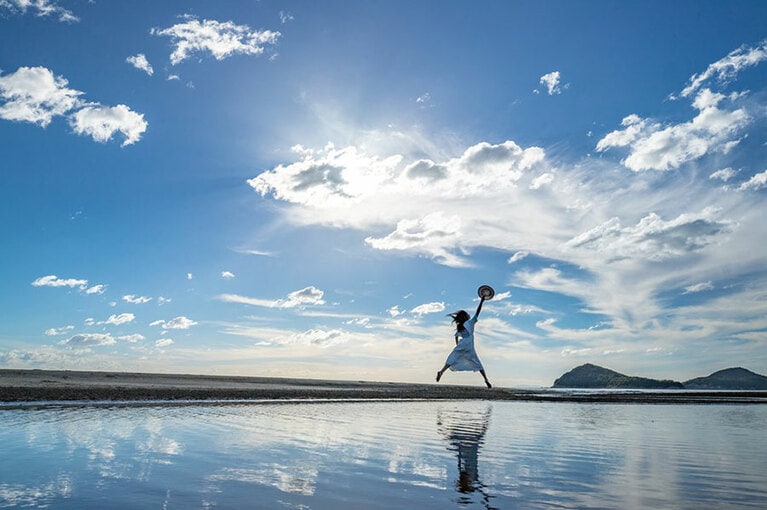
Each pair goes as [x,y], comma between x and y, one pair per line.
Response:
[383,455]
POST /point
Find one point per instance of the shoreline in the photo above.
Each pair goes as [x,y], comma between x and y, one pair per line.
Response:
[51,386]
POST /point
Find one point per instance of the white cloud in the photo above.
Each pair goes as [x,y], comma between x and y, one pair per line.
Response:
[54,281]
[551,81]
[136,300]
[728,67]
[227,275]
[320,337]
[34,94]
[698,287]
[426,308]
[189,276]
[394,311]
[392,191]
[423,100]
[39,8]
[654,238]
[306,296]
[250,251]
[618,242]
[140,62]
[135,338]
[180,322]
[433,234]
[757,182]
[430,207]
[572,351]
[102,122]
[654,147]
[245,300]
[220,39]
[285,17]
[725,174]
[89,339]
[518,256]
[96,289]
[58,331]
[299,298]
[163,300]
[163,342]
[542,180]
[117,320]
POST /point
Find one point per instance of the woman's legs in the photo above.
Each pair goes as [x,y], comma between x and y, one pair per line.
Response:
[485,376]
[439,374]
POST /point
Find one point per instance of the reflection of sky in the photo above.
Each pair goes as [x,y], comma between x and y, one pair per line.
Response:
[387,455]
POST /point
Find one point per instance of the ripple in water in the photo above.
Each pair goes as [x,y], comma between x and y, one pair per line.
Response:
[385,455]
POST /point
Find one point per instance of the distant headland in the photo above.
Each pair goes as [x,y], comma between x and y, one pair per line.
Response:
[594,377]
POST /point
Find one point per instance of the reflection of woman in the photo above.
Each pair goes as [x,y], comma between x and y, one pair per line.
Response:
[466,432]
[464,356]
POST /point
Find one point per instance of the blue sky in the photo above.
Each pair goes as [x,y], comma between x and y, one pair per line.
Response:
[308,188]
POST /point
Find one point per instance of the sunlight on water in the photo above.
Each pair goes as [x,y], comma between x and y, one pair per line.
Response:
[385,455]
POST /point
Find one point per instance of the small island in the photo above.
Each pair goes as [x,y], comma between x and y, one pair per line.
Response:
[590,376]
[729,379]
[593,377]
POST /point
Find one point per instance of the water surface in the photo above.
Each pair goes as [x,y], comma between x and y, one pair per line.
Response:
[385,455]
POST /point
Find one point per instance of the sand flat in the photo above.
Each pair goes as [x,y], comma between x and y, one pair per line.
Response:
[24,385]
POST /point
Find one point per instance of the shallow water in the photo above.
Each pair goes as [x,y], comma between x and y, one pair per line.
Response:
[385,455]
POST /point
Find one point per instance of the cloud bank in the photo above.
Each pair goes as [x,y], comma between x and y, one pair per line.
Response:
[646,219]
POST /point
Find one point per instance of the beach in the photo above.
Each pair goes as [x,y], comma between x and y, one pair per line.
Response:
[23,385]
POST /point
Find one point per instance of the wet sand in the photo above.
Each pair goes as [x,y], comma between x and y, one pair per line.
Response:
[54,385]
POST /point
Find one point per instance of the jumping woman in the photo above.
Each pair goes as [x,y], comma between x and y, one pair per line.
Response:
[464,356]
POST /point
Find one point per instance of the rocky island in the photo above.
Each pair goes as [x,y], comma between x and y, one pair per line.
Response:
[594,376]
[729,379]
[590,376]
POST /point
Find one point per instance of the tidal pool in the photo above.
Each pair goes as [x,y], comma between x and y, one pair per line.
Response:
[384,455]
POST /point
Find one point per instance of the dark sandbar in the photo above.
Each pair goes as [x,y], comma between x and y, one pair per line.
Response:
[55,385]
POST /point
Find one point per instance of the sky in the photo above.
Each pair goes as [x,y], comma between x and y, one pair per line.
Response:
[307,189]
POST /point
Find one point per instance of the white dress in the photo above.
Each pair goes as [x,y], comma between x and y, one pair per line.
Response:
[464,356]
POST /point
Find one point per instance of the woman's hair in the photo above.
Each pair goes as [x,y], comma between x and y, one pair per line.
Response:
[460,317]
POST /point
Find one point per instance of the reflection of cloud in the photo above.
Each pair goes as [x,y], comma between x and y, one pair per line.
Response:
[291,479]
[18,495]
